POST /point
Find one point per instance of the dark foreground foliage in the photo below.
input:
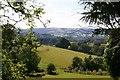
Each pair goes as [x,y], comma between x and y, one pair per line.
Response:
[19,53]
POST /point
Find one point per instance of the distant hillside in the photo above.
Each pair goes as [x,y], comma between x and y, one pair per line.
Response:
[60,57]
[52,35]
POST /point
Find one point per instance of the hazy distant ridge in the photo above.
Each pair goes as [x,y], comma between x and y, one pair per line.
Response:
[73,34]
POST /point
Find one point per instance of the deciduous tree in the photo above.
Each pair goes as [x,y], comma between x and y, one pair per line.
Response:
[19,52]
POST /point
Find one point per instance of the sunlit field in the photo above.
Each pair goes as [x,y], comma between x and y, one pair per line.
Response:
[60,57]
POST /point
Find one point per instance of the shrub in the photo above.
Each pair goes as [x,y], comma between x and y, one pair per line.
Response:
[100,72]
[105,73]
[51,68]
[88,72]
[94,72]
[76,63]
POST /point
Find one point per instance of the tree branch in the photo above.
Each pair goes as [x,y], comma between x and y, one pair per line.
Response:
[11,19]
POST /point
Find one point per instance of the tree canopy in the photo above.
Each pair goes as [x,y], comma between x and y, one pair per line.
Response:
[112,54]
[107,14]
[64,43]
[19,52]
[28,11]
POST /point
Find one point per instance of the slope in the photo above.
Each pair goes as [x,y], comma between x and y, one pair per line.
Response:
[62,58]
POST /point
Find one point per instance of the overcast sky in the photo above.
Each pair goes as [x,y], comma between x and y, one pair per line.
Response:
[62,13]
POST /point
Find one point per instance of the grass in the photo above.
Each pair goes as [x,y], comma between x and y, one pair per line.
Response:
[67,76]
[63,74]
[60,57]
[74,75]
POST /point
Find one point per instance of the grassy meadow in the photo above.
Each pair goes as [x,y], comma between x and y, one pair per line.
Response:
[62,58]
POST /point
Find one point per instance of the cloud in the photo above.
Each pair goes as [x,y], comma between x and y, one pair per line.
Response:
[62,13]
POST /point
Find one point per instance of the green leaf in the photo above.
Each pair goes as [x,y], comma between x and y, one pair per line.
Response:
[24,18]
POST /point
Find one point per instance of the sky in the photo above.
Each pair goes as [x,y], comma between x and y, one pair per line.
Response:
[61,13]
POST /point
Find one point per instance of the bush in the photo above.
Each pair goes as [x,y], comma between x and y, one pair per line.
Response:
[76,63]
[88,72]
[105,73]
[94,72]
[100,72]
[51,68]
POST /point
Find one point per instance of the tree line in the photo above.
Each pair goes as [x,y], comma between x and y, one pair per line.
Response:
[96,48]
[88,64]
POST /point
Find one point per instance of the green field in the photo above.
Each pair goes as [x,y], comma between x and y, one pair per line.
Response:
[62,58]
[63,74]
[72,75]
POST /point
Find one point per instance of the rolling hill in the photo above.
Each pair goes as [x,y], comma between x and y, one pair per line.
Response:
[52,35]
[60,57]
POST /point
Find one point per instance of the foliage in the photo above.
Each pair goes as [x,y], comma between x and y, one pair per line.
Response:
[77,62]
[112,56]
[64,43]
[25,10]
[10,70]
[99,61]
[84,48]
[98,49]
[105,13]
[89,64]
[19,53]
[93,63]
[50,68]
[73,46]
[28,53]
[95,49]
[91,47]
[108,14]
